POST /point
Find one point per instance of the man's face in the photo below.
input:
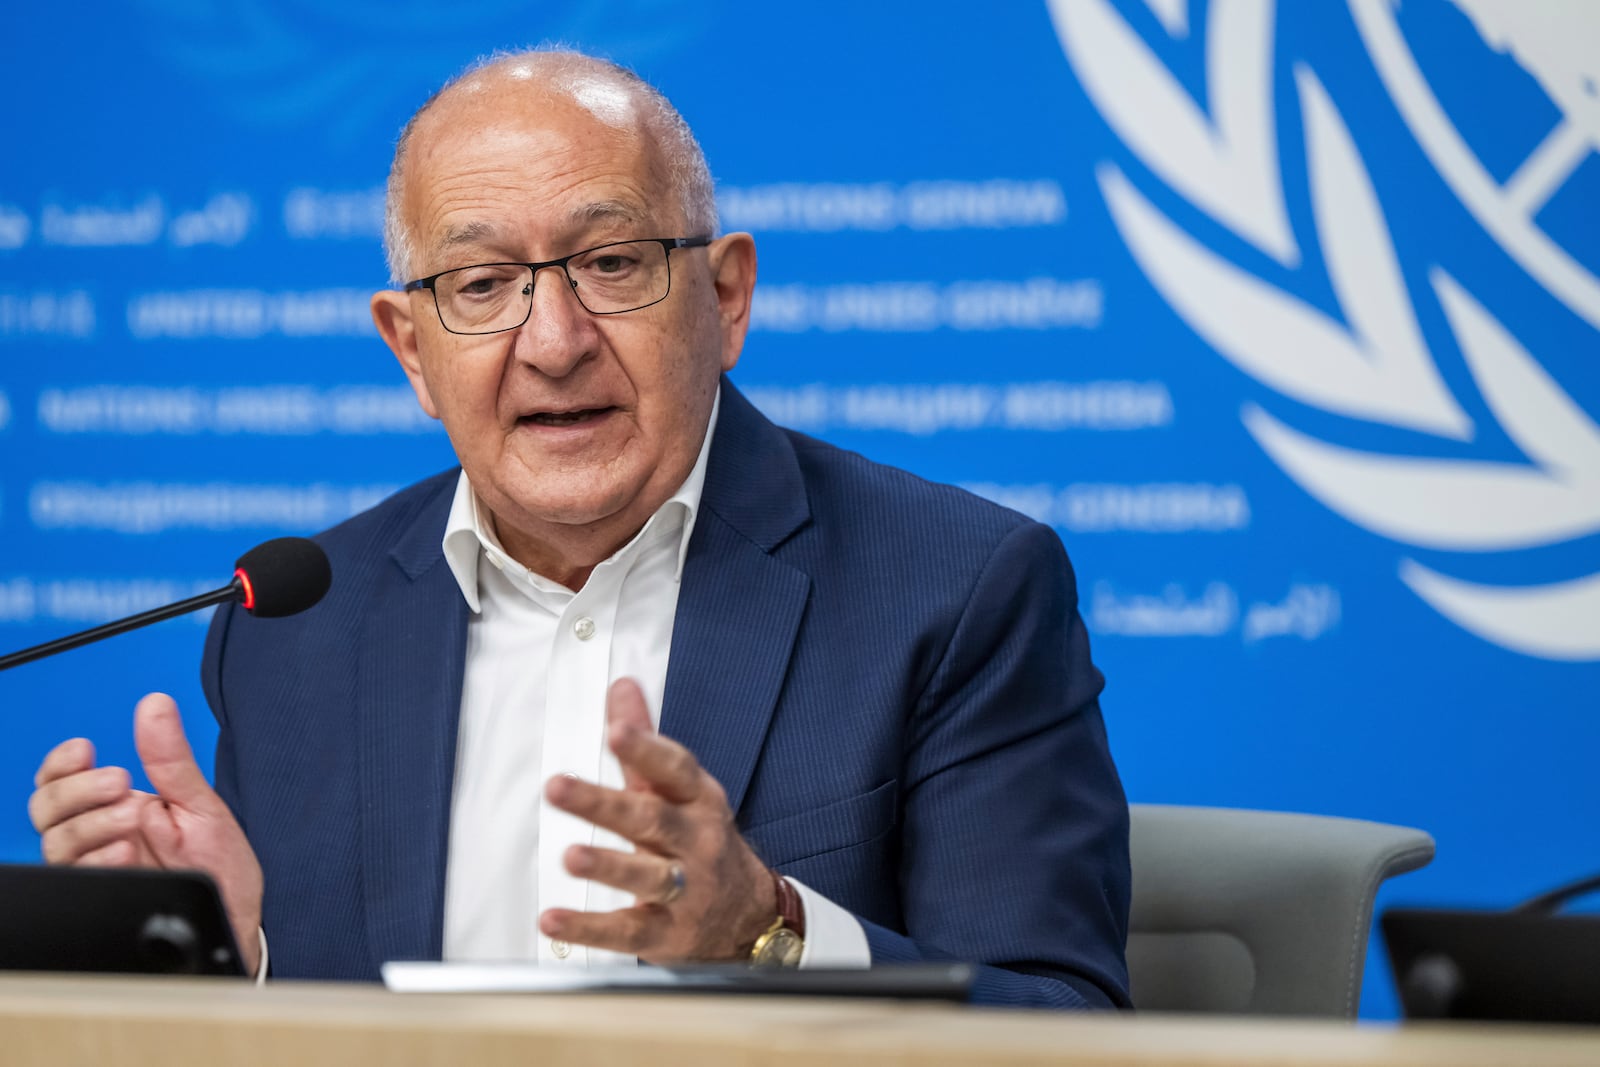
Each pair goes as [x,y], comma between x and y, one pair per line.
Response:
[573,424]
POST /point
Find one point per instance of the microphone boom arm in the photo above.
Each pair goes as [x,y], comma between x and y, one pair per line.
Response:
[234,590]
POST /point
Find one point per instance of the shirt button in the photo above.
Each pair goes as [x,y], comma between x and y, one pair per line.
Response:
[561,949]
[584,628]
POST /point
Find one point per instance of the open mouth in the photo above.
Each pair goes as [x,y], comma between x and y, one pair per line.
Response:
[563,418]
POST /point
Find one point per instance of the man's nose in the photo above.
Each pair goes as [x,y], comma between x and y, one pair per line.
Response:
[559,333]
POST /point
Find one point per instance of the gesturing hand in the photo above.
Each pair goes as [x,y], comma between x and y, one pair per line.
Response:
[702,894]
[88,815]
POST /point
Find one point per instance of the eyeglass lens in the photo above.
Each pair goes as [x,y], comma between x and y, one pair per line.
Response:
[607,280]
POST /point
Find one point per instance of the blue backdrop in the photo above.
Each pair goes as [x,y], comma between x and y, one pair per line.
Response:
[1285,317]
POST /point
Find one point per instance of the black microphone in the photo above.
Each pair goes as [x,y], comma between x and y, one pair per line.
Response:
[279,577]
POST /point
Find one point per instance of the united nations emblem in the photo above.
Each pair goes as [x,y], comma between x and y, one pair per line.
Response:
[1372,361]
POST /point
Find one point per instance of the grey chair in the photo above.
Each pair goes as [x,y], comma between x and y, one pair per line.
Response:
[1257,912]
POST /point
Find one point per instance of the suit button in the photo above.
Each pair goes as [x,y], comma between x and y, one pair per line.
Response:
[584,628]
[561,949]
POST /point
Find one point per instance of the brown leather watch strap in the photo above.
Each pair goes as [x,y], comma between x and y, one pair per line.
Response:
[790,906]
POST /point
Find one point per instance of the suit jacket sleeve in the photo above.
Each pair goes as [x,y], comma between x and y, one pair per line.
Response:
[1014,829]
[225,771]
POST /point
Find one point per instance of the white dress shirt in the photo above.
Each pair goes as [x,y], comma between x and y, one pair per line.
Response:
[539,661]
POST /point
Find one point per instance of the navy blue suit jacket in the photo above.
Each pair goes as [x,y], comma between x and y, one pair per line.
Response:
[889,677]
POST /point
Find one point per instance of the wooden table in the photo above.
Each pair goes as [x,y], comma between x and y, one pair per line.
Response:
[56,1021]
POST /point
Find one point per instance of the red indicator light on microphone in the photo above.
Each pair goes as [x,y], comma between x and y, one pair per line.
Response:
[249,601]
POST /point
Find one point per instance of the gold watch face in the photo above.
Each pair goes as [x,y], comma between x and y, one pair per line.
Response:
[780,948]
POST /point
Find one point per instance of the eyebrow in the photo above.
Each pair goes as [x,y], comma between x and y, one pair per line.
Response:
[605,211]
[584,215]
[469,233]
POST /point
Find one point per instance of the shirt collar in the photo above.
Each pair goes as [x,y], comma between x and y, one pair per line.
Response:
[469,536]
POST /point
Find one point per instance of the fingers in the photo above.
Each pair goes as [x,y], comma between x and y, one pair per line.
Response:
[75,839]
[652,879]
[60,799]
[123,853]
[649,761]
[634,931]
[698,885]
[627,711]
[168,761]
[643,818]
[69,757]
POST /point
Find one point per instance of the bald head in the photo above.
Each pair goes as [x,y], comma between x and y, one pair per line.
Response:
[609,94]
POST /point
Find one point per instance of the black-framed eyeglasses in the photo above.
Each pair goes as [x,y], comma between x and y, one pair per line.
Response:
[608,279]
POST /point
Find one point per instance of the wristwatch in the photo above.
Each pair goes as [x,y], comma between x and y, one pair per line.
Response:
[785,939]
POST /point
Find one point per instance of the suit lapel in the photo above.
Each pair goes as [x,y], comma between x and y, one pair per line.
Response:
[739,608]
[413,646]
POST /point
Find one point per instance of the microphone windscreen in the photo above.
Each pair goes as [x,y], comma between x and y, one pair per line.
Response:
[283,576]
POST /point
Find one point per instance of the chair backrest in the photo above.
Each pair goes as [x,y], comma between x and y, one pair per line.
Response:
[1257,912]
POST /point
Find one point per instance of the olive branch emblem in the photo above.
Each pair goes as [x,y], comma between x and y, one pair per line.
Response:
[1371,362]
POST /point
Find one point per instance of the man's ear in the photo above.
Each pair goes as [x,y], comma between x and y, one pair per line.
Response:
[733,273]
[391,312]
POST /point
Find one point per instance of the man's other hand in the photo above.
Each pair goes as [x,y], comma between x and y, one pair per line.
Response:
[90,816]
[702,894]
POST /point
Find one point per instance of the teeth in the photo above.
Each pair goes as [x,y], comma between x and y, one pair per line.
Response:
[564,418]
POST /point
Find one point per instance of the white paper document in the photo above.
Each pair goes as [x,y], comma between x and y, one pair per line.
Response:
[513,977]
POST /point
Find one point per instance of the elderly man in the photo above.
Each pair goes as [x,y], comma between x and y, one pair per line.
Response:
[647,677]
